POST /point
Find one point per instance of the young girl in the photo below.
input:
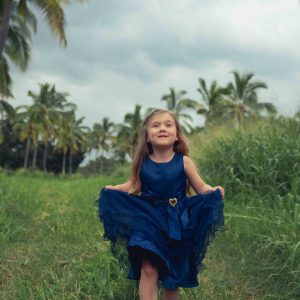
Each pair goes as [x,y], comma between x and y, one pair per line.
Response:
[166,232]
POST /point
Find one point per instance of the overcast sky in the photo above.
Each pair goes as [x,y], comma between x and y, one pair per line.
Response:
[123,53]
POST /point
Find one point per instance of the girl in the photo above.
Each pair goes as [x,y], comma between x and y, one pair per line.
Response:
[166,232]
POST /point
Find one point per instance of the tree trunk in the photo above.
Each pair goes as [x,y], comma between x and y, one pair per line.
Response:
[70,161]
[45,157]
[27,153]
[8,6]
[97,154]
[101,162]
[64,163]
[34,156]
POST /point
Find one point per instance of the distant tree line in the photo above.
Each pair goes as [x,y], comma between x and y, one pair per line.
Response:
[47,135]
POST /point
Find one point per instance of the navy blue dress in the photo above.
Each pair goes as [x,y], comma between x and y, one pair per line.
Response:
[162,224]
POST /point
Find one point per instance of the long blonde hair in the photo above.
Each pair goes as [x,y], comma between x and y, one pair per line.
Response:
[144,148]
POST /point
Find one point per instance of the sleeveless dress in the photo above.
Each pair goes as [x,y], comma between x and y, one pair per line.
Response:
[162,224]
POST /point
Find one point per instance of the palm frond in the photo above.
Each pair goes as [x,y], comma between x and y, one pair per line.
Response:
[5,79]
[55,17]
[18,48]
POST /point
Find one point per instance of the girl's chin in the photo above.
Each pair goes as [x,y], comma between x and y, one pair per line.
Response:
[163,145]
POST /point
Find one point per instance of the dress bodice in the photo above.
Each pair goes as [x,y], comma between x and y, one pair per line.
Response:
[166,179]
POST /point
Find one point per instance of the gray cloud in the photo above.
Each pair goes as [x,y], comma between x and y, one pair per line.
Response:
[129,52]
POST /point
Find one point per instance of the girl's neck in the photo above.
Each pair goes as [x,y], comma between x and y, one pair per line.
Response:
[162,155]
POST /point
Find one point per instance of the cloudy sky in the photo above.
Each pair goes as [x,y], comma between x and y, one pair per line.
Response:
[123,53]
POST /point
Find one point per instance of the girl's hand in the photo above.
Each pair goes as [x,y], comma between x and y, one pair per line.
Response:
[220,188]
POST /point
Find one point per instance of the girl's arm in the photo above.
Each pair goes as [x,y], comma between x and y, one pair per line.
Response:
[125,187]
[194,178]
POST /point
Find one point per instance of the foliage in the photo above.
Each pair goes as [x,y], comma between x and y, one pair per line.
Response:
[179,106]
[271,149]
[17,22]
[259,168]
[102,166]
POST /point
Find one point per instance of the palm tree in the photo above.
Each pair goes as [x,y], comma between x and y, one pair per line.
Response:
[178,105]
[126,140]
[53,13]
[17,21]
[214,98]
[102,136]
[134,123]
[297,115]
[77,139]
[15,46]
[6,112]
[16,49]
[102,133]
[243,93]
[70,136]
[120,146]
[27,127]
[50,105]
[5,79]
[63,135]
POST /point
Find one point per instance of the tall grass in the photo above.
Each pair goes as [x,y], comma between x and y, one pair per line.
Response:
[51,242]
[260,170]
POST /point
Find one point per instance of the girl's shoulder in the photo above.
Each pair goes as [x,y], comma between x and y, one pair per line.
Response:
[188,162]
[186,159]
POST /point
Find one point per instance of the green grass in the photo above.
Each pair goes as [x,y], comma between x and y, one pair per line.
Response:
[52,245]
[51,240]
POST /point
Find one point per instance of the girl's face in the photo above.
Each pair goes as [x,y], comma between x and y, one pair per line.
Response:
[161,130]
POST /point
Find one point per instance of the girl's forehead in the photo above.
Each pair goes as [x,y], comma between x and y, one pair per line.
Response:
[161,117]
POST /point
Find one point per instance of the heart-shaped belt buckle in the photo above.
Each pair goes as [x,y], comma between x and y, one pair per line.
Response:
[173,201]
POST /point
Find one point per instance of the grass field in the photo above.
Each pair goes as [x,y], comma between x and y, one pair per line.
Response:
[51,240]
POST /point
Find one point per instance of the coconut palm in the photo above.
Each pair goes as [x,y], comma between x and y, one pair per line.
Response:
[17,21]
[243,93]
[50,105]
[133,122]
[126,140]
[101,138]
[102,134]
[77,139]
[5,80]
[53,14]
[179,105]
[71,136]
[63,135]
[17,45]
[214,98]
[16,49]
[120,147]
[28,127]
[6,112]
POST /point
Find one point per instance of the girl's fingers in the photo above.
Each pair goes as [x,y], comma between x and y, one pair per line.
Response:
[221,190]
[110,187]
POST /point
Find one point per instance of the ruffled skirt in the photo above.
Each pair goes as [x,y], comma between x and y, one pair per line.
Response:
[173,237]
